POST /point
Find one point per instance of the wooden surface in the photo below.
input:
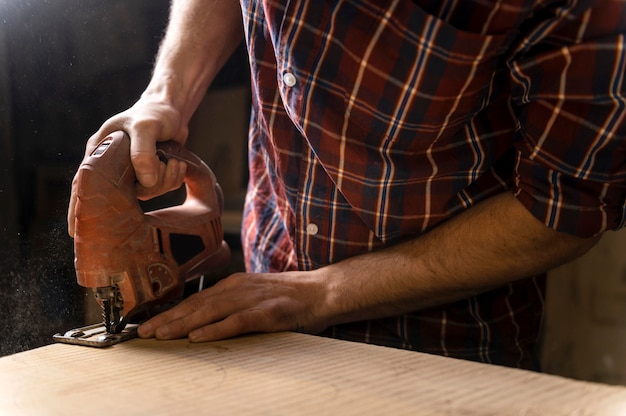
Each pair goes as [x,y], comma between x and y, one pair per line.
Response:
[281,374]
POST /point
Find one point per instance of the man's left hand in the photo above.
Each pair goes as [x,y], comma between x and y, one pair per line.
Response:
[244,303]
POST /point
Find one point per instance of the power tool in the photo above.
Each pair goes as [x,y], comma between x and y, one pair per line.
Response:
[137,262]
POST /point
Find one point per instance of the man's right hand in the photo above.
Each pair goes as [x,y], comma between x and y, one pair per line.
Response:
[146,123]
[199,39]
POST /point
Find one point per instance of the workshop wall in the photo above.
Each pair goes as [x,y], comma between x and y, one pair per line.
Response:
[585,331]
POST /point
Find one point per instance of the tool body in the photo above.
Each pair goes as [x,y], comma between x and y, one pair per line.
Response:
[136,262]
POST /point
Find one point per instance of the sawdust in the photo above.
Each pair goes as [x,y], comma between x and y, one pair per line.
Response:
[38,292]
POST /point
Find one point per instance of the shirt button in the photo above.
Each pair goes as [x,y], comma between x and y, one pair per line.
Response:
[289,79]
[312,229]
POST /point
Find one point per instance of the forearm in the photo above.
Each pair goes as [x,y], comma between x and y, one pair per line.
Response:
[200,37]
[491,244]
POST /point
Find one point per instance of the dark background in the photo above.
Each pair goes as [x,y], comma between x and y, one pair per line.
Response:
[65,66]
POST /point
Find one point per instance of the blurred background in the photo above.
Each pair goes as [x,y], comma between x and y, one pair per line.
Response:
[67,65]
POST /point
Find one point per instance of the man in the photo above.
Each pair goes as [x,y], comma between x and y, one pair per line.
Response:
[415,166]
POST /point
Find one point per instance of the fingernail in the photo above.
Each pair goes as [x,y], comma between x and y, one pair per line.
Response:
[145,330]
[162,332]
[194,336]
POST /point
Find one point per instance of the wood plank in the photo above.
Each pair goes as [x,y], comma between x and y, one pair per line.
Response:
[283,373]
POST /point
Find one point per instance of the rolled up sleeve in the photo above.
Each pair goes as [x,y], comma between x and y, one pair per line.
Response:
[569,95]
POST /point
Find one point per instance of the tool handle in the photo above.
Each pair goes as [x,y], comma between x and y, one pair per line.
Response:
[200,182]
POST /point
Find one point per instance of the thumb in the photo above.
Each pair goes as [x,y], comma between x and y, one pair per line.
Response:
[144,159]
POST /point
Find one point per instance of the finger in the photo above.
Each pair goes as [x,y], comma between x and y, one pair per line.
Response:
[145,193]
[237,324]
[207,314]
[186,307]
[170,177]
[174,175]
[178,321]
[148,329]
[145,161]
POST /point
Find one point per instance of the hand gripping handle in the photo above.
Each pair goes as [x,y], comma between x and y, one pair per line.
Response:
[200,182]
[149,256]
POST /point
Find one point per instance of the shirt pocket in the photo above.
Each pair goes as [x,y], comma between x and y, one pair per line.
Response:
[419,79]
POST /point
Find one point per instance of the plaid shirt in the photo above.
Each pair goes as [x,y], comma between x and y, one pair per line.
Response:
[374,121]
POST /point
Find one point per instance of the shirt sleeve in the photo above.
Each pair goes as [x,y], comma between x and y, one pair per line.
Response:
[568,92]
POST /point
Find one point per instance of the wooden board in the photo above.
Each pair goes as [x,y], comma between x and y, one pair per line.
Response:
[281,374]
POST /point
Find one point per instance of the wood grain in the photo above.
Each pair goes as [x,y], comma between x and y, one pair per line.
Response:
[278,374]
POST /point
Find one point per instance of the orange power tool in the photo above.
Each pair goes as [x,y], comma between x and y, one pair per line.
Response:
[139,262]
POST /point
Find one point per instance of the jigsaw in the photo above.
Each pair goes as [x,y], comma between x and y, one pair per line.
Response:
[137,262]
